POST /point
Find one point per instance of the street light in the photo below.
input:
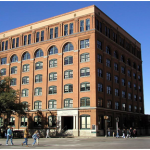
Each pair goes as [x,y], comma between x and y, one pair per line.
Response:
[105,117]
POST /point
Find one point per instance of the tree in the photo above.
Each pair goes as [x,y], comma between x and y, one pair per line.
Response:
[9,100]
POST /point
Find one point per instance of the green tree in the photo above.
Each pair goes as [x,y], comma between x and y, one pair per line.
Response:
[9,100]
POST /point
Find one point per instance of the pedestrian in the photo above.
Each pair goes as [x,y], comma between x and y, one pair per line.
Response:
[34,136]
[123,133]
[9,135]
[47,133]
[131,132]
[117,136]
[134,133]
[25,137]
[128,134]
[108,131]
[38,137]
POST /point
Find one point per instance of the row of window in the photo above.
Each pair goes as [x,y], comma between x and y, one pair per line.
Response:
[53,33]
[120,40]
[52,50]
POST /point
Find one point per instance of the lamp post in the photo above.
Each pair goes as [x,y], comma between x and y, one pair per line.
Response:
[8,117]
[105,117]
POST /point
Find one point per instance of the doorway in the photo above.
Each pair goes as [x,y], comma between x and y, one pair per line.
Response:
[67,122]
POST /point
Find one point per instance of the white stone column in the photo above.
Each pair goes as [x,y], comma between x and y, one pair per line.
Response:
[59,122]
[77,122]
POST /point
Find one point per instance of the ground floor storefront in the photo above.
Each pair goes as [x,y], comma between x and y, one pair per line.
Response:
[79,122]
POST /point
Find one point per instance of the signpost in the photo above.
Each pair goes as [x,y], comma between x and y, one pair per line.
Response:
[105,117]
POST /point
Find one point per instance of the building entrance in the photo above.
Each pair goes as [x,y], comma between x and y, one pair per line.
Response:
[67,122]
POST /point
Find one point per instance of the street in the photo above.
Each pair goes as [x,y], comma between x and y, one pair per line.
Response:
[81,143]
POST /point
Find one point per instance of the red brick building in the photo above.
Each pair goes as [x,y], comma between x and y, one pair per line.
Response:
[73,69]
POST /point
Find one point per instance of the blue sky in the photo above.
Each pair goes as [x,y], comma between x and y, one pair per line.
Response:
[133,17]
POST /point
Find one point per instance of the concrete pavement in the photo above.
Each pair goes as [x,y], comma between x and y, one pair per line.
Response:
[81,143]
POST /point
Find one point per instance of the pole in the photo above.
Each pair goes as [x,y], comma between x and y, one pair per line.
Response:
[105,127]
[116,129]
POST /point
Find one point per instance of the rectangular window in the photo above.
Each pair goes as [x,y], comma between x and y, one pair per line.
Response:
[100,73]
[108,32]
[81,25]
[13,43]
[17,42]
[42,35]
[37,36]
[51,33]
[115,66]
[84,43]
[87,24]
[123,70]
[29,39]
[85,122]
[97,24]
[129,95]
[66,29]
[71,28]
[100,87]
[6,45]
[123,106]
[116,92]
[99,58]
[123,94]
[130,108]
[100,26]
[25,40]
[3,60]
[116,79]
[105,30]
[116,105]
[3,46]
[108,104]
[99,44]
[56,32]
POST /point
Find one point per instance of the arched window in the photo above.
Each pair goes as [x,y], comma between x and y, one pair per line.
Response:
[84,101]
[52,103]
[84,72]
[85,86]
[68,88]
[25,92]
[37,105]
[85,121]
[53,76]
[108,50]
[68,102]
[53,50]
[38,53]
[39,65]
[85,57]
[68,47]
[37,121]
[25,105]
[38,91]
[53,63]
[12,121]
[68,74]
[14,58]
[38,78]
[122,58]
[26,56]
[53,90]
[115,54]
[128,62]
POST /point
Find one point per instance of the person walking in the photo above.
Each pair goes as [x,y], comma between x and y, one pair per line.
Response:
[108,131]
[131,132]
[34,136]
[128,134]
[9,135]
[47,133]
[25,137]
[38,137]
[123,133]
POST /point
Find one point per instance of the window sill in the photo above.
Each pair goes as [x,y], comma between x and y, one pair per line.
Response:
[85,129]
[53,94]
[84,61]
[52,67]
[38,82]
[39,69]
[84,76]
[67,64]
[25,71]
[85,91]
[52,80]
[26,84]
[24,96]
[37,95]
[84,48]
[68,78]
[67,92]
[13,73]
[12,85]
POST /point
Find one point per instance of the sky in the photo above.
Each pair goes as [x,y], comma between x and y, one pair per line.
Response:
[132,16]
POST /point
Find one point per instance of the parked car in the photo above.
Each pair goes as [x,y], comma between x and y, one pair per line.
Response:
[18,134]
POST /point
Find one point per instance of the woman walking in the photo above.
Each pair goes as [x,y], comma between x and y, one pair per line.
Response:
[34,136]
[25,137]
